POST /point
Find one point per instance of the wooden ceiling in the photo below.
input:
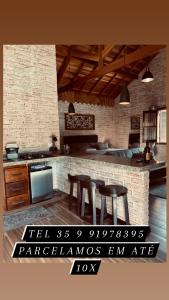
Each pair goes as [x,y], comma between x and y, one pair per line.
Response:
[95,74]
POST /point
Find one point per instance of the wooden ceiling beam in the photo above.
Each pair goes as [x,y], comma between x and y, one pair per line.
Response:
[63,67]
[70,85]
[130,58]
[107,50]
[115,91]
[95,84]
[83,97]
[78,54]
[127,76]
[84,55]
[107,85]
[102,54]
[77,73]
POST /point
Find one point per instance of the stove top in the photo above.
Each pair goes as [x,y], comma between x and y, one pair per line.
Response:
[30,155]
[34,155]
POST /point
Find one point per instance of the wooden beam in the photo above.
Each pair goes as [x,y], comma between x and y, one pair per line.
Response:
[71,85]
[83,97]
[63,51]
[83,83]
[107,50]
[130,58]
[84,55]
[100,62]
[107,85]
[95,84]
[63,67]
[114,75]
[77,73]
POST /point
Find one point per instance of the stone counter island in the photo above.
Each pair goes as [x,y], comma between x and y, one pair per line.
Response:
[113,170]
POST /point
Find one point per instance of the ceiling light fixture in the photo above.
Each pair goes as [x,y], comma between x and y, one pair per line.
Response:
[125,95]
[71,109]
[147,76]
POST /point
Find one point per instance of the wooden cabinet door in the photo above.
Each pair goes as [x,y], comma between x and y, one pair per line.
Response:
[16,188]
[17,173]
[17,201]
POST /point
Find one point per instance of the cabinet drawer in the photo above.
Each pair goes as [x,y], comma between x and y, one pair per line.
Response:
[17,201]
[16,174]
[16,188]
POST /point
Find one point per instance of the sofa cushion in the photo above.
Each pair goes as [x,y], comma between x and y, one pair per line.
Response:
[126,153]
[99,146]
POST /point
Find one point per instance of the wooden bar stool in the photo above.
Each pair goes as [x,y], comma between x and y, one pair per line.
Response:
[113,191]
[91,186]
[74,179]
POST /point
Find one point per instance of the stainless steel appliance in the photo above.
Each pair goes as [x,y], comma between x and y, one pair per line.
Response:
[41,182]
[12,151]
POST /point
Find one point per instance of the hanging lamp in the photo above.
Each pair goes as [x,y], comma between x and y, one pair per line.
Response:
[125,95]
[147,76]
[71,109]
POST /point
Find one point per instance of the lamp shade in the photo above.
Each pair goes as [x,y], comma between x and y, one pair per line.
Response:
[147,76]
[71,109]
[125,96]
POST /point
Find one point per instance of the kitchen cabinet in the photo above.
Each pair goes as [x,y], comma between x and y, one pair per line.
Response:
[16,186]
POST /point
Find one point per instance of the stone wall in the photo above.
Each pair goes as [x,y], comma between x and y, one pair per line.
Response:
[29,95]
[142,95]
[103,120]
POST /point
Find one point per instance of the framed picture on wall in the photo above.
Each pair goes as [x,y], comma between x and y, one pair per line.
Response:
[135,122]
[79,122]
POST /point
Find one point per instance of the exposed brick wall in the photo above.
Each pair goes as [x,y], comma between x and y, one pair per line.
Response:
[103,120]
[30,95]
[142,96]
[137,183]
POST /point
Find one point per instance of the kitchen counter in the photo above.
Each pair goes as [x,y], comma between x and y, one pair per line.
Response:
[113,170]
[132,164]
[30,161]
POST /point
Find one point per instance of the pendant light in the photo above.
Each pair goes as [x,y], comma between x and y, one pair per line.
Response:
[147,76]
[124,96]
[71,109]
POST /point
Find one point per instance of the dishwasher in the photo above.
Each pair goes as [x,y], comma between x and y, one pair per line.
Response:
[41,182]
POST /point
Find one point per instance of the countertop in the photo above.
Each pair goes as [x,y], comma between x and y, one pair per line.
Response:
[123,162]
[114,160]
[30,161]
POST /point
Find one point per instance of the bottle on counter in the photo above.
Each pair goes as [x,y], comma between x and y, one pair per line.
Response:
[147,153]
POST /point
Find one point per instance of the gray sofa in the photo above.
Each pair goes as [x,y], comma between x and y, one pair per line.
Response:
[126,153]
[155,175]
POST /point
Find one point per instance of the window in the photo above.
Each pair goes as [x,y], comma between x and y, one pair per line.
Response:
[161,126]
